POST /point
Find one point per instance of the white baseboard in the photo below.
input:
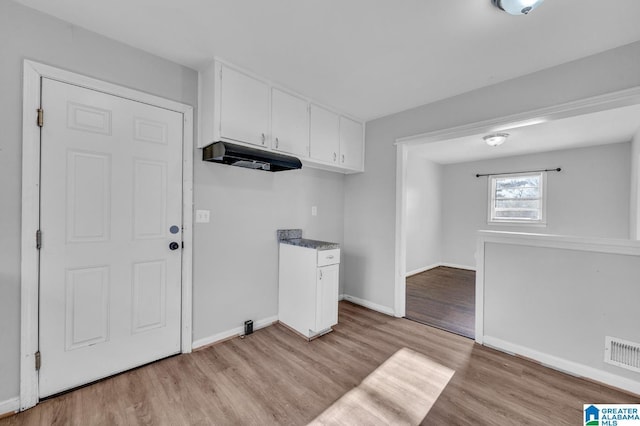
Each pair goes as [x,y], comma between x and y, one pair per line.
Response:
[566,366]
[455,265]
[370,305]
[9,406]
[419,270]
[341,297]
[257,325]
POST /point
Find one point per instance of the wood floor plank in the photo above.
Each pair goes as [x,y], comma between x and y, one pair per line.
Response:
[443,297]
[275,377]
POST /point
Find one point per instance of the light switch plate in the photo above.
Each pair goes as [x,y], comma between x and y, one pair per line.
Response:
[314,210]
[202,216]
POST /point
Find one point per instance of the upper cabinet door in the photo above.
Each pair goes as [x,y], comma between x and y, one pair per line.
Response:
[351,143]
[324,135]
[244,108]
[289,123]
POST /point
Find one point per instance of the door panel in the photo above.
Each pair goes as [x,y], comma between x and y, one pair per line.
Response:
[149,202]
[88,196]
[110,287]
[87,307]
[149,295]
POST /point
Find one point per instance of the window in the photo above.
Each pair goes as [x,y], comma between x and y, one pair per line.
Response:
[517,198]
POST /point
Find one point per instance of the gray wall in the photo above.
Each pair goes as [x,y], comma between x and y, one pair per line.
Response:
[424,213]
[531,300]
[634,207]
[235,256]
[27,34]
[370,197]
[588,198]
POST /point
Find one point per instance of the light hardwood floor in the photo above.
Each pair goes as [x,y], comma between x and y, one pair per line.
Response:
[445,298]
[275,377]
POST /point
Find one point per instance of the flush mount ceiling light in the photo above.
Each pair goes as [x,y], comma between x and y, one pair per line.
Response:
[517,7]
[496,139]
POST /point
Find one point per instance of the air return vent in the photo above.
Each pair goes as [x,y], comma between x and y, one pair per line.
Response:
[622,353]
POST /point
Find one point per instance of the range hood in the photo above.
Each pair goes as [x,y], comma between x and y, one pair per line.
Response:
[250,158]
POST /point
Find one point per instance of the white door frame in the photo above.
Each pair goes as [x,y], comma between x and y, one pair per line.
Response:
[32,73]
[571,109]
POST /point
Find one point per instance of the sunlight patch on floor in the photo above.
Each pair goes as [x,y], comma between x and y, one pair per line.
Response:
[400,392]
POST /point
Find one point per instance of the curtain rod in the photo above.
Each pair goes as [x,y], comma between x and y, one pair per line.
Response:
[514,173]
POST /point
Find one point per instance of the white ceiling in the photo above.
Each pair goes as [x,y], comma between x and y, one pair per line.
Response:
[599,128]
[369,58]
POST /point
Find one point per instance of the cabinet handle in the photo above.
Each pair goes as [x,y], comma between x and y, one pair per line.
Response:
[277,142]
[330,257]
[343,158]
[263,138]
[320,273]
[334,156]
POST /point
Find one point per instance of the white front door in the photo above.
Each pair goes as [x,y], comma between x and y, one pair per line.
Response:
[111,207]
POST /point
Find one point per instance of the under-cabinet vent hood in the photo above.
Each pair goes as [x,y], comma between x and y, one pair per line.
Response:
[250,158]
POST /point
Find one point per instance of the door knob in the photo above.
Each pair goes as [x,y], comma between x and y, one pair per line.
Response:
[174,246]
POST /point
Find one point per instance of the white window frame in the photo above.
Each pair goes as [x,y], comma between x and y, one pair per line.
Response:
[492,220]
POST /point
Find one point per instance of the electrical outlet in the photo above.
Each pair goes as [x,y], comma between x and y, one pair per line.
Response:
[248,327]
[202,216]
[314,210]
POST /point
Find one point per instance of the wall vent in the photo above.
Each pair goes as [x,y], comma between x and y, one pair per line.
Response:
[622,353]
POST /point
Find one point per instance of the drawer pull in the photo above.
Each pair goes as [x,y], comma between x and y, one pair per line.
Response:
[330,257]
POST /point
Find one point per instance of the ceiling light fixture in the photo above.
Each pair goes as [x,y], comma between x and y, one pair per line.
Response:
[517,7]
[496,139]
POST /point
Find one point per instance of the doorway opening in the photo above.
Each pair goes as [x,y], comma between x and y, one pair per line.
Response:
[444,194]
[443,297]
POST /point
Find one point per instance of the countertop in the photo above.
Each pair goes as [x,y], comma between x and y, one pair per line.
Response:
[294,237]
[312,244]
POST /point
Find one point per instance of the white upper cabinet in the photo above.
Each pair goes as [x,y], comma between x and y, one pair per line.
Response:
[289,123]
[351,143]
[243,107]
[240,107]
[324,135]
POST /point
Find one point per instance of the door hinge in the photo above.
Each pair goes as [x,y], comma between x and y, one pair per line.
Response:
[38,360]
[38,239]
[40,117]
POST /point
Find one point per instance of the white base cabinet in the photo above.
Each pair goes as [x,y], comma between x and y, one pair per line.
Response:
[308,289]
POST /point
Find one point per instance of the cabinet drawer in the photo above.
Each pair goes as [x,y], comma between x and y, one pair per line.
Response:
[328,257]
